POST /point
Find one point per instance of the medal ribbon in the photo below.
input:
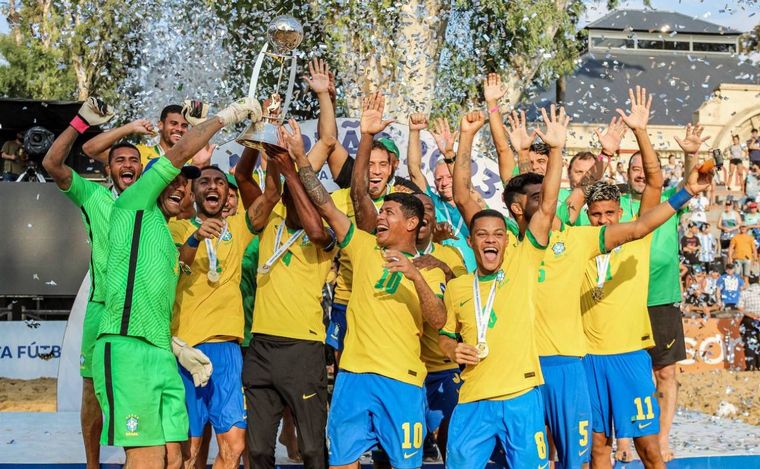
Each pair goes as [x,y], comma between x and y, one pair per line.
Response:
[427,250]
[602,268]
[482,315]
[280,248]
[114,193]
[456,229]
[213,260]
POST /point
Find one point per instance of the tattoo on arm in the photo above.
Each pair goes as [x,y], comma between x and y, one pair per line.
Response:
[317,192]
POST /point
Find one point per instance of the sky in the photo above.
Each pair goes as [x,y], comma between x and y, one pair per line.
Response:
[738,14]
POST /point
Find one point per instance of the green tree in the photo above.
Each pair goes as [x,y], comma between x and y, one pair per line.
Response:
[68,49]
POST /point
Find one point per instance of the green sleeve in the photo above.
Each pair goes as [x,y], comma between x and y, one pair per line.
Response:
[80,189]
[143,193]
[563,213]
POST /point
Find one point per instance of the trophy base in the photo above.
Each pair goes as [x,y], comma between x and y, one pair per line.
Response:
[259,134]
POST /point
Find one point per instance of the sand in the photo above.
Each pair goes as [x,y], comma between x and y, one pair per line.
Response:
[36,395]
[702,392]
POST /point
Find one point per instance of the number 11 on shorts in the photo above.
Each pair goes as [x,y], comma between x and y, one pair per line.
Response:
[406,427]
[640,409]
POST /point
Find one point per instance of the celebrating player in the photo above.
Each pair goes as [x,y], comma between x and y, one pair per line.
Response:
[208,314]
[95,202]
[135,374]
[285,364]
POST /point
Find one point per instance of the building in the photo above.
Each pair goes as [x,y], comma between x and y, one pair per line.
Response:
[691,66]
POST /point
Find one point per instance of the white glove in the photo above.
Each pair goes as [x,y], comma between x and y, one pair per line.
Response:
[95,112]
[240,110]
[193,360]
[194,111]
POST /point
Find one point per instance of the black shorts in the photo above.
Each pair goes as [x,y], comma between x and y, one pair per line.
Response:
[736,161]
[667,329]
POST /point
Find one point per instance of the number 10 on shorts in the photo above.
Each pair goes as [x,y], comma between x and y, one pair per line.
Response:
[406,427]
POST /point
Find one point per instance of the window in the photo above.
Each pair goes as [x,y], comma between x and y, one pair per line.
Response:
[676,45]
[713,47]
[607,42]
[651,44]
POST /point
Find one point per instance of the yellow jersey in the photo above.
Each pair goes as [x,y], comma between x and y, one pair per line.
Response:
[342,200]
[289,296]
[384,316]
[559,328]
[206,311]
[618,322]
[511,366]
[432,355]
[148,152]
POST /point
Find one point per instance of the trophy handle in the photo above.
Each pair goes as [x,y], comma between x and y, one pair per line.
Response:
[291,83]
[257,71]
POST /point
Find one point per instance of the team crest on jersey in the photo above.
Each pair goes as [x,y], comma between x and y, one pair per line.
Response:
[81,360]
[133,422]
[227,235]
[304,240]
[558,248]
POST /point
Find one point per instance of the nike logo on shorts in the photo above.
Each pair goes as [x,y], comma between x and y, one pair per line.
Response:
[644,425]
[671,343]
[581,453]
[308,396]
[409,455]
[543,466]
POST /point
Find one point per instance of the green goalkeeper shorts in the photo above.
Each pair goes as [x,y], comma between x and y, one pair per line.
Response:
[140,392]
[89,334]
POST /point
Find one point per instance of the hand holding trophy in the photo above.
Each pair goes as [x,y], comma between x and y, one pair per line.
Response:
[285,33]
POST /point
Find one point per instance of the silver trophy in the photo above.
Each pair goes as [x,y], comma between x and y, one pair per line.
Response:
[285,33]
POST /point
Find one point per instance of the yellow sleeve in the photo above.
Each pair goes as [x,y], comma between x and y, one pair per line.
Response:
[436,280]
[357,242]
[451,327]
[591,238]
[180,231]
[455,261]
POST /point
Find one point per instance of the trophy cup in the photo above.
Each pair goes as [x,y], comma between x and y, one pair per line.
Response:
[284,33]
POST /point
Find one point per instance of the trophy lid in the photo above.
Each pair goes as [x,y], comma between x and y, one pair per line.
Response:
[285,33]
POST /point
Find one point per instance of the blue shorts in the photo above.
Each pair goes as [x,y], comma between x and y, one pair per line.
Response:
[442,389]
[567,409]
[369,409]
[221,401]
[336,330]
[517,423]
[622,394]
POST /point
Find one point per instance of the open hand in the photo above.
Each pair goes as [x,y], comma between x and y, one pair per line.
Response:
[638,116]
[493,90]
[372,121]
[518,131]
[556,127]
[292,140]
[612,136]
[444,139]
[319,76]
[693,140]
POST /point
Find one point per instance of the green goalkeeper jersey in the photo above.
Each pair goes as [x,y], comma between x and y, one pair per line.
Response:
[143,262]
[96,203]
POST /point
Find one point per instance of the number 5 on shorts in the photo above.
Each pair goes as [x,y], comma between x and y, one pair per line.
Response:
[540,444]
[583,430]
[406,427]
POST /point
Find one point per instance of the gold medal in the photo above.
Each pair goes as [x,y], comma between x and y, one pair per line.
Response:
[264,269]
[213,276]
[482,350]
[597,293]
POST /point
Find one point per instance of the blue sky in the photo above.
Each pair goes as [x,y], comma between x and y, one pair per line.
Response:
[738,14]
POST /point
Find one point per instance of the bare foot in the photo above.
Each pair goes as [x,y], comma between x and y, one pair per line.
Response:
[666,452]
[290,442]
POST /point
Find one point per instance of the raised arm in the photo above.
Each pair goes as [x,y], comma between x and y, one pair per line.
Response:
[93,112]
[311,221]
[319,196]
[637,120]
[493,91]
[555,136]
[261,208]
[98,146]
[690,146]
[620,233]
[433,309]
[417,122]
[371,124]
[470,125]
[197,137]
[319,83]
[521,140]
[249,190]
